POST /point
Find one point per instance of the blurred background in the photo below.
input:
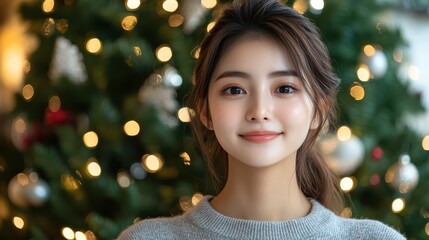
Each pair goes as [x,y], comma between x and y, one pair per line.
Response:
[94,129]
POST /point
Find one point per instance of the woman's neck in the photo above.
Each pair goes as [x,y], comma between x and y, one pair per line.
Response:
[263,194]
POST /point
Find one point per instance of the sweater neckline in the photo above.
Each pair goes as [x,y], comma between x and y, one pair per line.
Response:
[205,217]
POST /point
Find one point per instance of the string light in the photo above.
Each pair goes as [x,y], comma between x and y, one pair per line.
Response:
[425,143]
[344,133]
[132,4]
[20,125]
[18,222]
[48,6]
[197,53]
[317,5]
[94,45]
[210,26]
[209,4]
[123,179]
[131,128]
[93,169]
[196,198]
[170,5]
[54,104]
[69,182]
[427,229]
[357,92]
[175,20]
[413,72]
[67,233]
[363,73]
[62,25]
[129,22]
[346,213]
[80,235]
[184,114]
[137,51]
[398,55]
[186,158]
[185,203]
[164,53]
[90,139]
[28,92]
[347,184]
[301,6]
[369,50]
[152,163]
[48,27]
[398,205]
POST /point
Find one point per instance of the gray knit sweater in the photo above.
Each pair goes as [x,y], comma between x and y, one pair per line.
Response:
[203,222]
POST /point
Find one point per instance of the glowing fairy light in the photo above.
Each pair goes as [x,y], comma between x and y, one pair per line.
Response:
[170,5]
[210,26]
[317,4]
[93,168]
[54,104]
[90,139]
[363,73]
[67,233]
[369,50]
[131,128]
[301,6]
[209,4]
[175,20]
[18,222]
[132,4]
[164,53]
[28,92]
[344,133]
[152,163]
[398,205]
[129,22]
[123,179]
[357,92]
[80,235]
[347,184]
[425,143]
[94,45]
[186,158]
[413,73]
[48,6]
[184,114]
[196,198]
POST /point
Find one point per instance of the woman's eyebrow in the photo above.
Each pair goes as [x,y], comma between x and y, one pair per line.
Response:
[247,76]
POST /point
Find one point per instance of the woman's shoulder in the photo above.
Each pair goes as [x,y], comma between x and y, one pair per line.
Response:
[153,228]
[370,229]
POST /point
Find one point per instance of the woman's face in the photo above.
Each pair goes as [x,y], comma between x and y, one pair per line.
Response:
[259,109]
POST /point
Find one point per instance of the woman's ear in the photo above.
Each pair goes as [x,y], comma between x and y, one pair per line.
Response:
[204,115]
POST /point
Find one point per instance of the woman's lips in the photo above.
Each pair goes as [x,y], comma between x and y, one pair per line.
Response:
[260,136]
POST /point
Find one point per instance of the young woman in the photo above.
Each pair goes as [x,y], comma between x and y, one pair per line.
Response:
[264,89]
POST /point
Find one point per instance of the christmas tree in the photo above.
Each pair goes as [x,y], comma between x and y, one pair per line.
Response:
[99,137]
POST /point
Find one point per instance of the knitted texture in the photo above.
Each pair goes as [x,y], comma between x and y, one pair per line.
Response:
[203,222]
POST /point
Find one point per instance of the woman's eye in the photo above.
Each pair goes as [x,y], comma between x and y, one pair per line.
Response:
[285,89]
[233,91]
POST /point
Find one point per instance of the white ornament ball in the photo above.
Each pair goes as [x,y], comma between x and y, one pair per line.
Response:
[343,157]
[28,190]
[377,62]
[403,175]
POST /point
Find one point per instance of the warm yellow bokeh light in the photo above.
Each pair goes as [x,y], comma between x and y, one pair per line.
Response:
[18,222]
[129,22]
[344,133]
[170,5]
[363,73]
[425,143]
[347,184]
[184,114]
[90,139]
[210,26]
[137,51]
[317,4]
[48,6]
[175,20]
[346,213]
[186,158]
[68,233]
[12,70]
[357,92]
[80,235]
[132,4]
[398,55]
[69,182]
[427,229]
[20,125]
[197,53]
[301,6]
[164,53]
[152,163]
[209,4]
[369,50]
[93,168]
[94,45]
[196,198]
[413,73]
[54,104]
[398,205]
[123,179]
[131,128]
[27,92]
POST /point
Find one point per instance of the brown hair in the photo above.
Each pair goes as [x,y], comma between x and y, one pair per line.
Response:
[301,39]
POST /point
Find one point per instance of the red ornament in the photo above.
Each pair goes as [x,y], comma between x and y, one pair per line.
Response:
[377,153]
[375,180]
[57,117]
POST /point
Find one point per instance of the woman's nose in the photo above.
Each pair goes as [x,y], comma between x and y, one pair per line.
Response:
[260,108]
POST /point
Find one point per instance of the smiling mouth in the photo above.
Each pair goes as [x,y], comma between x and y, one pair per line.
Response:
[260,136]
